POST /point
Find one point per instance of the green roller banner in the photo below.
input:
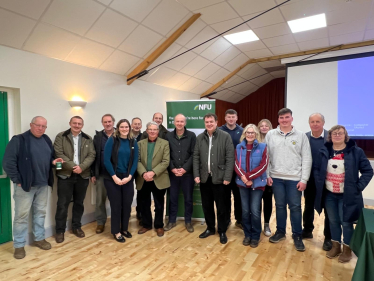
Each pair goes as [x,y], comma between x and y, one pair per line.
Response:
[194,110]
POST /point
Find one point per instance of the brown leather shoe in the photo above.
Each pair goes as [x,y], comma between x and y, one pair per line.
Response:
[189,227]
[143,230]
[100,228]
[347,254]
[160,232]
[19,253]
[79,232]
[42,244]
[59,237]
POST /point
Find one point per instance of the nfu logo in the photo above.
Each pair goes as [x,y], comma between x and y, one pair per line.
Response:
[203,107]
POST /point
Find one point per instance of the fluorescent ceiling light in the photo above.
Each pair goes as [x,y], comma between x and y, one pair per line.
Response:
[242,37]
[307,23]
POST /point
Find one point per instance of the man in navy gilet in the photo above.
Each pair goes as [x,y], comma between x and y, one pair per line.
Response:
[28,162]
[317,138]
[235,131]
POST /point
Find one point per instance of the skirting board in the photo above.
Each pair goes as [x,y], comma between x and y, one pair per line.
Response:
[50,231]
[369,202]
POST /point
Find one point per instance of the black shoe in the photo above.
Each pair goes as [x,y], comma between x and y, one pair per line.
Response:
[223,238]
[239,224]
[127,234]
[253,244]
[277,237]
[206,233]
[120,239]
[246,241]
[307,234]
[298,242]
[327,245]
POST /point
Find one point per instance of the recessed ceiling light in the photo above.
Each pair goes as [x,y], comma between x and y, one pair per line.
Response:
[242,37]
[308,23]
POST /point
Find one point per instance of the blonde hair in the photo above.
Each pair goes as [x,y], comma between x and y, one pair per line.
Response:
[255,129]
[262,136]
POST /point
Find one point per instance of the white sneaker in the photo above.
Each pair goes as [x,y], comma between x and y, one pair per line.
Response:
[267,230]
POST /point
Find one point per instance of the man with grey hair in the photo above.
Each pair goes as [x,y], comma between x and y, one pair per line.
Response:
[153,178]
[28,162]
[317,138]
[182,144]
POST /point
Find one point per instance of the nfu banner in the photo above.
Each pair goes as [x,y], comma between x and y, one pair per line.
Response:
[194,110]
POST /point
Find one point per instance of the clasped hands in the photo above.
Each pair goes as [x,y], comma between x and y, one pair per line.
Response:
[246,181]
[148,176]
[118,181]
[179,172]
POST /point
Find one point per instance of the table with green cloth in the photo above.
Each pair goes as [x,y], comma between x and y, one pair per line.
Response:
[362,244]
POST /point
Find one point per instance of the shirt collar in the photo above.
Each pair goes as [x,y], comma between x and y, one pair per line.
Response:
[77,135]
[153,140]
[321,136]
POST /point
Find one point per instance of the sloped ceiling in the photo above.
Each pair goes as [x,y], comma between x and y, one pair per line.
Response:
[116,35]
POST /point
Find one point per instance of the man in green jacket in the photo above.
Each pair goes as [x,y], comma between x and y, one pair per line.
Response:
[78,152]
[213,165]
[153,177]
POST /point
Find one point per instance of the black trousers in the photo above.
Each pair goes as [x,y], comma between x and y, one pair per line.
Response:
[139,203]
[217,193]
[159,200]
[308,215]
[267,198]
[75,187]
[186,182]
[120,198]
[232,187]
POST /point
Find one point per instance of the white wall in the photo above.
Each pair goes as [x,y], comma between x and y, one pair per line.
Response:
[314,88]
[45,85]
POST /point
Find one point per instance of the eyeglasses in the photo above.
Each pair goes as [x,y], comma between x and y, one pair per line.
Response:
[39,126]
[250,133]
[337,134]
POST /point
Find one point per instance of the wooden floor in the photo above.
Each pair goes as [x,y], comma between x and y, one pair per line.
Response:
[178,255]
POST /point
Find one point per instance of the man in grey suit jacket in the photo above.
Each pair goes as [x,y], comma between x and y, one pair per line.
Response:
[317,138]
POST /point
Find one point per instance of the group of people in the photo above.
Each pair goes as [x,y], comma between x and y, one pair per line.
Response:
[253,163]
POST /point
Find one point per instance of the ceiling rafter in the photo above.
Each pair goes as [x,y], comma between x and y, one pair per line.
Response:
[162,48]
[278,57]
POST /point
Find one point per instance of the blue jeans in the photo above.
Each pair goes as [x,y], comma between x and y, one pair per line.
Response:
[285,192]
[251,212]
[36,199]
[334,207]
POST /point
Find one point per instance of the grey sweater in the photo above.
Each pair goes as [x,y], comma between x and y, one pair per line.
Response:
[290,157]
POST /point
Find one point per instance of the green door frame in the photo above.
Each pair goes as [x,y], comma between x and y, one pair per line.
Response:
[5,199]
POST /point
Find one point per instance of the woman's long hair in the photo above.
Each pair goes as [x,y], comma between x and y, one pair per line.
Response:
[262,136]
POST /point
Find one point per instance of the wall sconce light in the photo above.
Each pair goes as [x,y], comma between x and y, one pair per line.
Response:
[77,103]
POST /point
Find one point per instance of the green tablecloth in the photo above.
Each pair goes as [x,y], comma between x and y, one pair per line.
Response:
[362,244]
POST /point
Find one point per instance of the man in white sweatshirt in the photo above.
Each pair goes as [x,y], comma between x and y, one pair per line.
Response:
[290,162]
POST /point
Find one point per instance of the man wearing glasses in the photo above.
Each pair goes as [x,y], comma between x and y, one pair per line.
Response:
[153,177]
[290,161]
[28,162]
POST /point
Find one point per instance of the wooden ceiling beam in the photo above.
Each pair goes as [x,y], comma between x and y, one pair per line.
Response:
[162,48]
[303,53]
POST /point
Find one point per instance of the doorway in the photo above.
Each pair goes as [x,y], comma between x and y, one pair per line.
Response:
[5,198]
